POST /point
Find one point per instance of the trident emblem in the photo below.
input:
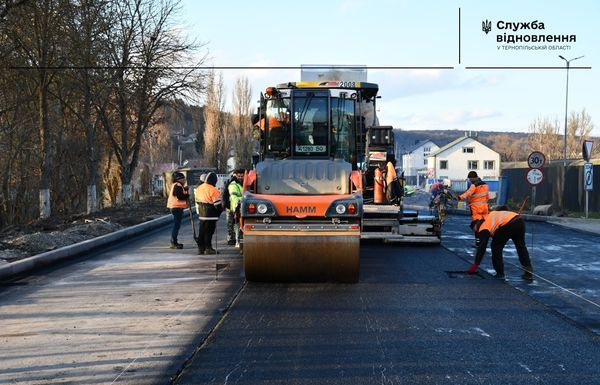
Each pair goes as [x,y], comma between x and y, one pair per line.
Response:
[486,26]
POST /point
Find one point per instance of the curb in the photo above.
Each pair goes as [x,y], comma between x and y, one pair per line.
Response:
[63,253]
[590,226]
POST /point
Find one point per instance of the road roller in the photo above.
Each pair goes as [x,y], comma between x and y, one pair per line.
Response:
[312,193]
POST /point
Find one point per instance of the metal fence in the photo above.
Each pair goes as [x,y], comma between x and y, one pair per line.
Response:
[561,187]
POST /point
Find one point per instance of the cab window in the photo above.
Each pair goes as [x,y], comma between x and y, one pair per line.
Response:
[311,124]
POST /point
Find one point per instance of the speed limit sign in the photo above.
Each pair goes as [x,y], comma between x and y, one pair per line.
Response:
[536,160]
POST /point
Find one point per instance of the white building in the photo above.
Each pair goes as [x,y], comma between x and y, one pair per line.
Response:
[457,158]
[414,162]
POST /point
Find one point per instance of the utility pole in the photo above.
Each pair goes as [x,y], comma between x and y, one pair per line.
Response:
[567,105]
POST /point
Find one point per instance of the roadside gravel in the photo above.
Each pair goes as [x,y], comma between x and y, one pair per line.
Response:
[37,237]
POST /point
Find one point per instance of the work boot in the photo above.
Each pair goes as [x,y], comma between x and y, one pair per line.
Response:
[231,242]
[210,250]
[499,276]
[527,273]
[200,251]
[176,246]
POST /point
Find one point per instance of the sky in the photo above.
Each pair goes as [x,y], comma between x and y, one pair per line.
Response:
[428,34]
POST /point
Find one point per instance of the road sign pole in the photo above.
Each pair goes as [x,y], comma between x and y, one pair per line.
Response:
[532,198]
[587,197]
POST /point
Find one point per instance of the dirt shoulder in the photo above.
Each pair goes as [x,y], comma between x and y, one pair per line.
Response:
[45,235]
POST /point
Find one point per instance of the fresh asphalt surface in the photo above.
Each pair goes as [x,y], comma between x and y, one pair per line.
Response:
[566,266]
[412,319]
[141,314]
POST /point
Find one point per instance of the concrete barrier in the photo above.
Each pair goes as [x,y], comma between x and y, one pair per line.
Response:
[64,253]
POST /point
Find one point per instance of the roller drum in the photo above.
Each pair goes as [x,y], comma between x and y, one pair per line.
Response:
[301,257]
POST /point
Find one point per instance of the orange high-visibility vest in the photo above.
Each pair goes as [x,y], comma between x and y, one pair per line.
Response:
[273,123]
[477,197]
[495,220]
[173,202]
[390,173]
[207,193]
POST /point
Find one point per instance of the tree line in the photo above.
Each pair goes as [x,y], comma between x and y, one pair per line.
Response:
[544,134]
[548,136]
[90,87]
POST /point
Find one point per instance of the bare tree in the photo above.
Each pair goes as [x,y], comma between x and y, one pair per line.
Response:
[148,57]
[225,150]
[39,43]
[18,144]
[579,128]
[216,138]
[6,6]
[544,136]
[87,24]
[241,125]
[157,141]
[19,179]
[91,77]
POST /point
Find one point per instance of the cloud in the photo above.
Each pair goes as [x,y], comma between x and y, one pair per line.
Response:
[461,117]
[425,116]
[408,83]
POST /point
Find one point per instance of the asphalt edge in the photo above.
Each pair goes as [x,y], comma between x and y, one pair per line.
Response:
[29,264]
[25,265]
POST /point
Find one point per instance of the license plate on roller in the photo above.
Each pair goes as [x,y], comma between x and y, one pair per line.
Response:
[309,148]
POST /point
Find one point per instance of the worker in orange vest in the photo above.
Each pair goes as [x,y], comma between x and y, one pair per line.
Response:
[393,190]
[277,138]
[209,206]
[502,226]
[476,196]
[177,202]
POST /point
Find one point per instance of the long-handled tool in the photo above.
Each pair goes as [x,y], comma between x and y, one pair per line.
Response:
[192,219]
[523,205]
[532,231]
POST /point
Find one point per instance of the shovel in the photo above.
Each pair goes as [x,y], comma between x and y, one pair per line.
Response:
[192,220]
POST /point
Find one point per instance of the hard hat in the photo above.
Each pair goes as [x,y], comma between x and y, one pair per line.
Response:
[178,175]
[447,183]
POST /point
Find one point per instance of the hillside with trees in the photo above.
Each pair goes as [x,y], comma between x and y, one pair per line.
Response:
[83,84]
[544,135]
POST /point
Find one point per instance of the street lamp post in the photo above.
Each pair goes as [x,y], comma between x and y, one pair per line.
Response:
[567,104]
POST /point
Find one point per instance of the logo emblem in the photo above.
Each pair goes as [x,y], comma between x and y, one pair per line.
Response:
[486,26]
[300,210]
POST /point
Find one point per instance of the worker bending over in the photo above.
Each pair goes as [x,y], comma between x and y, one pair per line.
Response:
[502,226]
